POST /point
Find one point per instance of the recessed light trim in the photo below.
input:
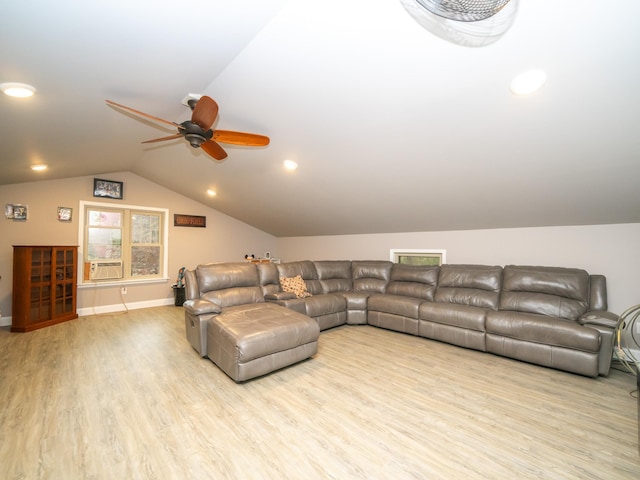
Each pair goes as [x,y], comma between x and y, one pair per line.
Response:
[290,165]
[39,167]
[19,90]
[528,82]
[211,193]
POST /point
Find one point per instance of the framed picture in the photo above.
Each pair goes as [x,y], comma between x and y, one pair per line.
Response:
[107,188]
[180,220]
[64,214]
[20,212]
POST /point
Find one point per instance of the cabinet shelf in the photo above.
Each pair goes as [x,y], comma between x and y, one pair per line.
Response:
[44,286]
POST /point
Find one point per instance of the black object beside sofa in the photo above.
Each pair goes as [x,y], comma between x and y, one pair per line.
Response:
[239,316]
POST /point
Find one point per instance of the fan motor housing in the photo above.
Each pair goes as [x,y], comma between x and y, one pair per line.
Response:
[195,134]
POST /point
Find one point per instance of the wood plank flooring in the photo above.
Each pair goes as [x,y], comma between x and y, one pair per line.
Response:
[125,396]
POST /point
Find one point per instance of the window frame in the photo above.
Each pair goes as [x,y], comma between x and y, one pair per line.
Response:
[163,276]
[394,253]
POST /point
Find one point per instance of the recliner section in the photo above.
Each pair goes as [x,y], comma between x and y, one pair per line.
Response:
[551,316]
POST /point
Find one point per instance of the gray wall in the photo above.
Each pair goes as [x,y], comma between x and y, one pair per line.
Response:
[612,250]
[608,249]
[224,239]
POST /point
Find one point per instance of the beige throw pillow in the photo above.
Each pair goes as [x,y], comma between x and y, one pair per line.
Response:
[294,285]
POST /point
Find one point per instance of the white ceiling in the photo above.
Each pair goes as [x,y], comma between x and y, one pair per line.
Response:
[394,129]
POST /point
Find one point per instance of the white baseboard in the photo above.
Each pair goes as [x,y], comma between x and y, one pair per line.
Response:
[119,307]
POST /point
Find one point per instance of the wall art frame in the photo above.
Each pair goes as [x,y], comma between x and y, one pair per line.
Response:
[65,214]
[180,220]
[108,189]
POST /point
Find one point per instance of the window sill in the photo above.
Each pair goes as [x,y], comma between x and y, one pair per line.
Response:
[120,283]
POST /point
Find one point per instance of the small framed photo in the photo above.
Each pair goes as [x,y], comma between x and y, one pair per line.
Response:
[20,212]
[65,214]
[107,188]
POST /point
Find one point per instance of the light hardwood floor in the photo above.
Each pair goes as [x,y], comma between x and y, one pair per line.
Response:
[126,397]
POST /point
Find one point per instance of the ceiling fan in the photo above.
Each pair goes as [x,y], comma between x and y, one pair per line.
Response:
[198,132]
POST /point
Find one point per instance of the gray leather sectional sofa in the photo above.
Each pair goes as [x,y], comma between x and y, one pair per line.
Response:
[551,316]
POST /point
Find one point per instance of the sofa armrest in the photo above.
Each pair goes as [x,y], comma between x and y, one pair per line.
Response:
[274,297]
[599,318]
[200,306]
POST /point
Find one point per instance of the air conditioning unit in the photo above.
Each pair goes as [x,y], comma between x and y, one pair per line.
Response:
[105,270]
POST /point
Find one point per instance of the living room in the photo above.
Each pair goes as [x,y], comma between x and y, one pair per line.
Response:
[388,158]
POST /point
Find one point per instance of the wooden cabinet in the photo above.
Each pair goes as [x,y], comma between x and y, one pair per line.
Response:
[44,286]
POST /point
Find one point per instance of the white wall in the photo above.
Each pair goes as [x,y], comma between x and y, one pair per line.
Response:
[611,250]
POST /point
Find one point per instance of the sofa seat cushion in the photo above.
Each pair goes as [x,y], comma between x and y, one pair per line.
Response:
[248,332]
[542,329]
[462,316]
[356,300]
[395,304]
[325,304]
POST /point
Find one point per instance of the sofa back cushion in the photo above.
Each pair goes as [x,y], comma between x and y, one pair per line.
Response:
[552,291]
[473,285]
[417,281]
[268,277]
[334,275]
[306,269]
[370,275]
[229,284]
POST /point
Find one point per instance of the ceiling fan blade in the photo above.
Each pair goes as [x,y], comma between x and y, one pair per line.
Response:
[170,137]
[213,149]
[240,138]
[205,112]
[137,112]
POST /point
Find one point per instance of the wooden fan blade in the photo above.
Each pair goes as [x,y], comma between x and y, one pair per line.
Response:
[240,138]
[170,137]
[137,112]
[205,112]
[213,149]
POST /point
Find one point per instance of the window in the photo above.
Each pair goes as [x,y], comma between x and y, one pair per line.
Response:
[122,243]
[418,256]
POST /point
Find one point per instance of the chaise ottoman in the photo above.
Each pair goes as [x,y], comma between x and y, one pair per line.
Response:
[247,341]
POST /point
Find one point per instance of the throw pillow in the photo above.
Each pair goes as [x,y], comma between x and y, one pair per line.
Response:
[294,285]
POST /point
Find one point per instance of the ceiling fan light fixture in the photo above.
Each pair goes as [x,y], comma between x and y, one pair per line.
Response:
[528,82]
[19,90]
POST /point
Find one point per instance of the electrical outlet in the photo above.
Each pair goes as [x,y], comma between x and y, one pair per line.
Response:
[124,290]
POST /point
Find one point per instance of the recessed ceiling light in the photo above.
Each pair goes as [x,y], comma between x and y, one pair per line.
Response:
[528,82]
[211,193]
[17,89]
[39,167]
[290,164]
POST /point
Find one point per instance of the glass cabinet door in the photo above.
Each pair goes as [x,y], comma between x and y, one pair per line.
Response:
[40,294]
[64,281]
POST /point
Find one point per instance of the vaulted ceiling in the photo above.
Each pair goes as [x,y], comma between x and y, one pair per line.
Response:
[394,129]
